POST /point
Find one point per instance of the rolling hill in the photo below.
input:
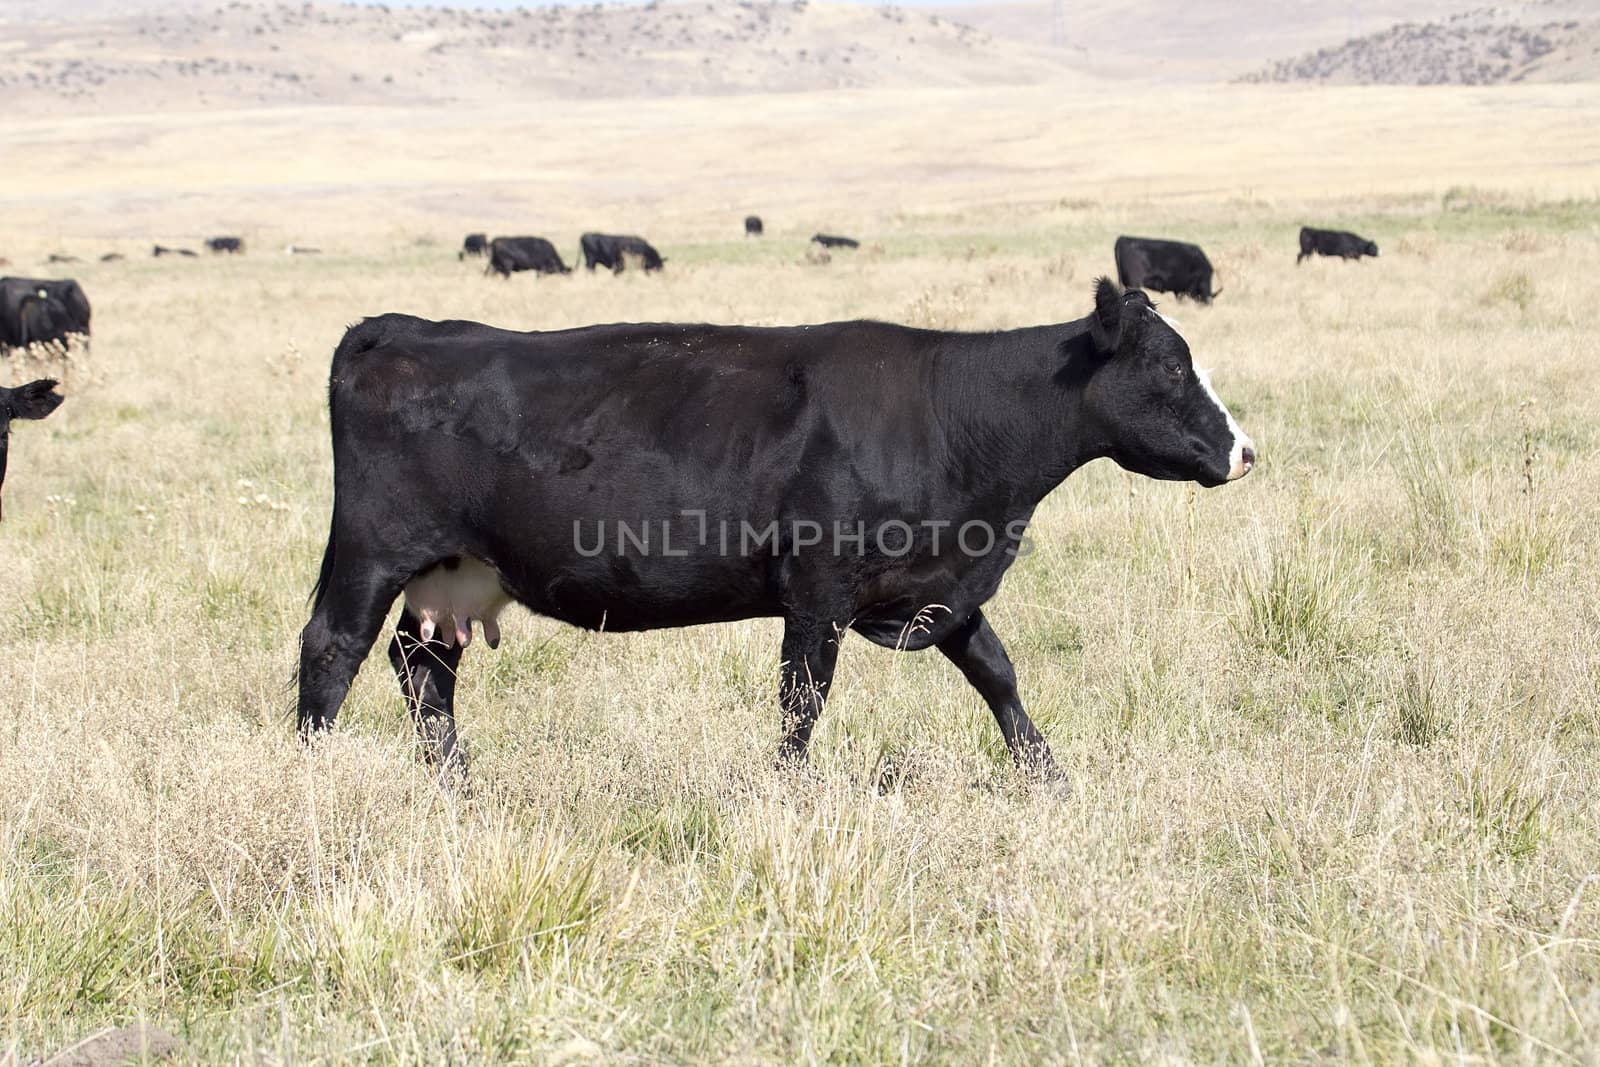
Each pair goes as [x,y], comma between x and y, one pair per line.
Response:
[1551,41]
[252,54]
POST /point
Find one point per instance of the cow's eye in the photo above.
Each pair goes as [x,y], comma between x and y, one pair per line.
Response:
[1174,369]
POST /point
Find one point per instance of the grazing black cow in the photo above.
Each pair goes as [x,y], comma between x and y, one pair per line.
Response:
[163,250]
[61,257]
[752,226]
[830,240]
[1175,267]
[112,257]
[32,401]
[1341,243]
[230,245]
[476,244]
[57,310]
[850,476]
[612,250]
[508,255]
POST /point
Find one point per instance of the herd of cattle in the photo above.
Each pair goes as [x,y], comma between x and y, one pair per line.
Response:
[474,467]
[509,255]
[219,245]
[1176,267]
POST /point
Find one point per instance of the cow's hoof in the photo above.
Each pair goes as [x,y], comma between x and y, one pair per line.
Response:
[455,783]
[889,775]
[1043,774]
[795,767]
[1054,783]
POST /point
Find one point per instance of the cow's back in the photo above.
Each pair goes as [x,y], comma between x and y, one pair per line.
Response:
[1125,252]
[506,445]
[624,393]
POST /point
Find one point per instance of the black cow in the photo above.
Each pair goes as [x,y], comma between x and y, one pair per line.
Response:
[1341,243]
[57,311]
[829,240]
[230,245]
[508,255]
[163,250]
[1175,267]
[752,226]
[112,257]
[61,257]
[612,250]
[851,476]
[476,244]
[43,320]
[32,401]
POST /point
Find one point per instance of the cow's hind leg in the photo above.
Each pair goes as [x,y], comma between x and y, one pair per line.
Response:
[349,613]
[810,651]
[426,671]
[976,649]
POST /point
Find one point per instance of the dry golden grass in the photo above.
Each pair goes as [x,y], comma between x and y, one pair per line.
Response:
[1333,729]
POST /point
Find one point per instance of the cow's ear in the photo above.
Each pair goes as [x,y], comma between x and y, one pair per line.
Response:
[1105,325]
[34,400]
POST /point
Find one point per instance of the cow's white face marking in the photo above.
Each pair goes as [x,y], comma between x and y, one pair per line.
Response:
[446,601]
[1242,456]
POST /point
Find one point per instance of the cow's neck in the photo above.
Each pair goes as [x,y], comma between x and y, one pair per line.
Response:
[1013,403]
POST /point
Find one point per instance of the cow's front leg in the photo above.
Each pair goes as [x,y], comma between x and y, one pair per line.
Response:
[976,649]
[426,671]
[810,650]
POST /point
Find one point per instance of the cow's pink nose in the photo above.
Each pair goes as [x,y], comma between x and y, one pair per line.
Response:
[1245,462]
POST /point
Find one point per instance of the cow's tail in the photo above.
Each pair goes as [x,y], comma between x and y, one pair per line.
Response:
[324,573]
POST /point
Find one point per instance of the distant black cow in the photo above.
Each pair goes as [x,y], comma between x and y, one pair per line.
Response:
[829,240]
[1339,243]
[61,257]
[847,476]
[1175,267]
[612,250]
[476,244]
[229,245]
[507,255]
[57,310]
[43,320]
[752,226]
[111,257]
[32,401]
[163,250]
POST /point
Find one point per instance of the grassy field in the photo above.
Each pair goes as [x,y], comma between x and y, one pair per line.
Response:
[1333,730]
[887,162]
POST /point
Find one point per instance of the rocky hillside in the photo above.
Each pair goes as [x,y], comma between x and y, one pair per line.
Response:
[1485,46]
[245,53]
